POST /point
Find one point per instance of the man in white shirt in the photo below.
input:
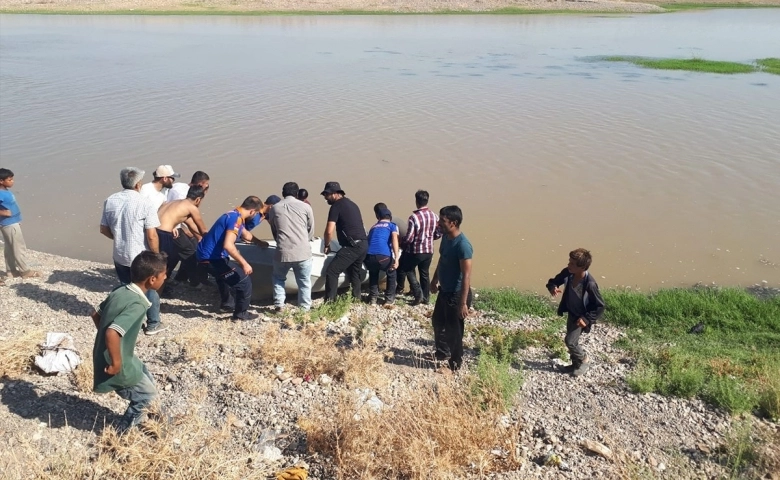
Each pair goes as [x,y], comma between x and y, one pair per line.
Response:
[157,190]
[130,220]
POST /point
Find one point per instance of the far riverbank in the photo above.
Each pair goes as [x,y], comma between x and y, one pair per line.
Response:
[359,7]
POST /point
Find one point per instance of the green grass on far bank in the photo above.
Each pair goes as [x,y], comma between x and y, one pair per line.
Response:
[733,364]
[683,6]
[768,65]
[195,9]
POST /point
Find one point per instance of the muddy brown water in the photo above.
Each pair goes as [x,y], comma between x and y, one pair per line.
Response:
[670,178]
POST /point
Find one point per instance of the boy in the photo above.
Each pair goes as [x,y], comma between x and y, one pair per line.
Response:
[118,320]
[582,301]
[10,226]
[381,238]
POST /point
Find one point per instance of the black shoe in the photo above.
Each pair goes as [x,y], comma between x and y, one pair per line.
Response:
[417,301]
[568,368]
[167,292]
[245,315]
[227,308]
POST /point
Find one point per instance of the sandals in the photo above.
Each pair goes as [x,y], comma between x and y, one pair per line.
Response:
[31,274]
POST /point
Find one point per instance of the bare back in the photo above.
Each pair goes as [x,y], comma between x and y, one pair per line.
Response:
[173,213]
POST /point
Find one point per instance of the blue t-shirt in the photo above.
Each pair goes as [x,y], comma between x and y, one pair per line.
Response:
[452,251]
[380,238]
[211,246]
[8,202]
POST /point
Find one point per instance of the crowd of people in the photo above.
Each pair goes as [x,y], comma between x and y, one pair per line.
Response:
[157,226]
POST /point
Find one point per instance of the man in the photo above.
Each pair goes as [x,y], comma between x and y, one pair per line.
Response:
[454,273]
[216,248]
[130,220]
[157,190]
[292,225]
[171,215]
[187,241]
[345,220]
[179,189]
[418,248]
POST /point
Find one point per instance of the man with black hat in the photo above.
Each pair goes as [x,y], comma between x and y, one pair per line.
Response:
[345,220]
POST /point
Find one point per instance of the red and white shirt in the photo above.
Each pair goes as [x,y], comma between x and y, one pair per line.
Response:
[423,229]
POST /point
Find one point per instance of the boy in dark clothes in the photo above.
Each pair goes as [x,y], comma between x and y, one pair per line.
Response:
[582,301]
[118,320]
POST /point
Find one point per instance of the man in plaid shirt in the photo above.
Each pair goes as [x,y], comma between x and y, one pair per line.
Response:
[418,248]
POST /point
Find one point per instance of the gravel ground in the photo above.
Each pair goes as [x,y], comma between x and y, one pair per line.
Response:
[322,5]
[651,436]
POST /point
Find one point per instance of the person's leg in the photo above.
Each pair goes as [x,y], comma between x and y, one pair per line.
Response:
[242,290]
[153,324]
[454,329]
[123,273]
[341,261]
[424,267]
[355,270]
[185,252]
[141,396]
[406,272]
[414,285]
[220,269]
[572,341]
[15,250]
[391,283]
[302,271]
[279,277]
[438,319]
[401,277]
[372,265]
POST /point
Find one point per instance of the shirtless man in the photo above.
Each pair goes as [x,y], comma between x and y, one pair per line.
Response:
[172,214]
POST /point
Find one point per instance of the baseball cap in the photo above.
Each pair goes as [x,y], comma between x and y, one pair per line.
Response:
[273,200]
[165,171]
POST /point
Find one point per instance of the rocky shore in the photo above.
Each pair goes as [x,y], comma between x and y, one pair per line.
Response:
[227,384]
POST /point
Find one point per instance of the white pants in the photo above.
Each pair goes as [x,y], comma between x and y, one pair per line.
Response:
[15,250]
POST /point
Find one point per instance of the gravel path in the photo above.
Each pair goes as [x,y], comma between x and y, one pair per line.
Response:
[198,358]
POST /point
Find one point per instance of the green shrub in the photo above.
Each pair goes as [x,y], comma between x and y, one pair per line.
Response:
[513,303]
[729,393]
[494,383]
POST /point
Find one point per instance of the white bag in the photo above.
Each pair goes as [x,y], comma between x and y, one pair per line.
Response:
[58,354]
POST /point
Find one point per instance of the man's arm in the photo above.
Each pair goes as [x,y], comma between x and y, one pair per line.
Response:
[396,249]
[105,230]
[434,285]
[465,269]
[152,240]
[5,213]
[195,222]
[113,344]
[597,302]
[248,237]
[230,246]
[328,236]
[557,281]
[310,222]
[411,231]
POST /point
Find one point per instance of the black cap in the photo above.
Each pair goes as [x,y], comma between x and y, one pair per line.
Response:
[332,187]
[273,200]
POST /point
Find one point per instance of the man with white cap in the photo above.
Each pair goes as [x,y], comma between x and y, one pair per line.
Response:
[157,190]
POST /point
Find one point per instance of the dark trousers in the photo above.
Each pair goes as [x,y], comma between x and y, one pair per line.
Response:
[421,261]
[348,259]
[572,340]
[376,264]
[448,327]
[235,287]
[190,270]
[168,246]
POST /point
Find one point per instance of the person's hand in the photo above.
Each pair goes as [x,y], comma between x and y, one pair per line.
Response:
[326,249]
[464,311]
[395,265]
[113,369]
[262,244]
[582,323]
[434,286]
[554,291]
[247,269]
[175,233]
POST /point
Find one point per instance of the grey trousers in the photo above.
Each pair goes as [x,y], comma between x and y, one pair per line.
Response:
[572,340]
[15,249]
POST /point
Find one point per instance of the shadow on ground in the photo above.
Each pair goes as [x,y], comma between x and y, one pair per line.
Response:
[55,300]
[94,280]
[56,409]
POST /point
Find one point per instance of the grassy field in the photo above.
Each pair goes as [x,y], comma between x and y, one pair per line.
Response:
[731,363]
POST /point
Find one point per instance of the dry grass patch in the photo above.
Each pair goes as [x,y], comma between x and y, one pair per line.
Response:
[187,448]
[248,380]
[17,353]
[84,375]
[437,432]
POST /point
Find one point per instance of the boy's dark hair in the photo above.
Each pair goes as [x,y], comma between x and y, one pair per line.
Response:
[5,174]
[453,214]
[421,198]
[199,176]
[147,264]
[195,192]
[252,203]
[581,257]
[379,206]
[290,189]
[303,194]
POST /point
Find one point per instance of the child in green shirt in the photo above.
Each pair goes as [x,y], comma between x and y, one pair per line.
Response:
[118,320]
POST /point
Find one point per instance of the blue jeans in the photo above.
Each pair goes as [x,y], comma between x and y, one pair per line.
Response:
[140,396]
[302,271]
[153,314]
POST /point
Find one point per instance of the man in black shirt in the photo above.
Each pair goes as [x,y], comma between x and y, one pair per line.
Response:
[345,221]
